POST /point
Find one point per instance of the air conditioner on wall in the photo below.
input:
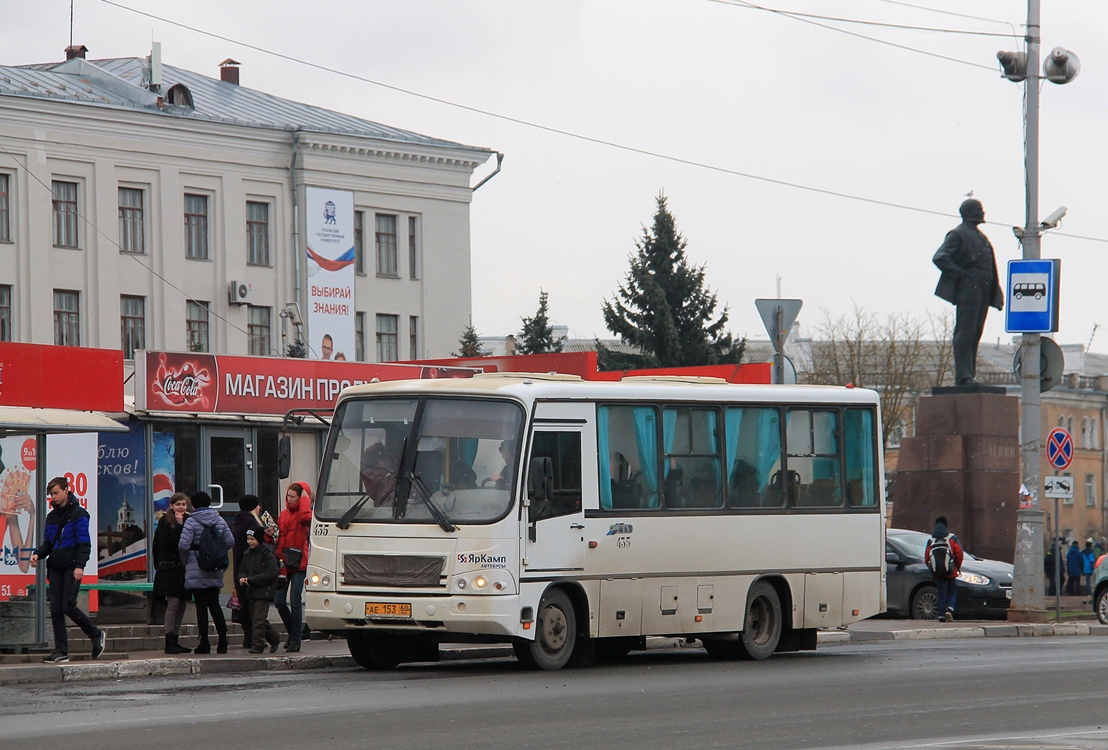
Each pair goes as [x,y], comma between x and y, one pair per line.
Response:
[241,292]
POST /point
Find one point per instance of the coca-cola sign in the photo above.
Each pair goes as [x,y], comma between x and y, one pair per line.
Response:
[186,385]
[209,383]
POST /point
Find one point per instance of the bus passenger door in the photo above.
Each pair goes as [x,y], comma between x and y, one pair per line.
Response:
[555,540]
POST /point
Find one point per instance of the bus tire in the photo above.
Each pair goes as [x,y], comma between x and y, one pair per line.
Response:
[372,651]
[555,634]
[763,624]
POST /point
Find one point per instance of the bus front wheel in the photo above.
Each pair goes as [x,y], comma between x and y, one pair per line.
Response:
[555,634]
[372,651]
[762,628]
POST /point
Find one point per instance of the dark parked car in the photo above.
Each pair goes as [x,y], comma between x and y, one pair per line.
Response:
[984,586]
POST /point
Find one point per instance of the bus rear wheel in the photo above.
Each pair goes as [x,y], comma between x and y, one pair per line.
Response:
[555,634]
[372,651]
[763,625]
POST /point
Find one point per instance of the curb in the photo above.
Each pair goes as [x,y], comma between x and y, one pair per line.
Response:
[158,667]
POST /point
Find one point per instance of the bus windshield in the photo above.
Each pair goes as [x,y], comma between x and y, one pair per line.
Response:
[421,460]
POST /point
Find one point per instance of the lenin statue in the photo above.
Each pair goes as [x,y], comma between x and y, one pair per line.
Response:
[969,281]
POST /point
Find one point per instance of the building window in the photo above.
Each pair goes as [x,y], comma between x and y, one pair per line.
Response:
[359,336]
[258,326]
[67,318]
[1090,490]
[387,335]
[413,248]
[1069,426]
[1094,435]
[132,324]
[1084,432]
[5,312]
[257,233]
[131,236]
[5,208]
[196,326]
[386,245]
[65,214]
[359,242]
[413,337]
[196,227]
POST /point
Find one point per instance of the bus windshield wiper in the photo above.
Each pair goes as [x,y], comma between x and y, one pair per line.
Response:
[439,514]
[348,516]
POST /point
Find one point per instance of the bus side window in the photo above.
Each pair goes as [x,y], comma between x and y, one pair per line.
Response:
[564,451]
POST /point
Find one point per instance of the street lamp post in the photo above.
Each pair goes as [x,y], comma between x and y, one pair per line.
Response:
[1027,589]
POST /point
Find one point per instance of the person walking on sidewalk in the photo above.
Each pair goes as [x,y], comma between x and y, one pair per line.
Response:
[944,559]
[66,545]
[258,576]
[1088,557]
[169,571]
[292,552]
[204,583]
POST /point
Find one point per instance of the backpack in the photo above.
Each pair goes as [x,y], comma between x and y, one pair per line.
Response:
[211,552]
[940,557]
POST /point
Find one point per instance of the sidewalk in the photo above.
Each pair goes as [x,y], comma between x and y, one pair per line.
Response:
[136,650]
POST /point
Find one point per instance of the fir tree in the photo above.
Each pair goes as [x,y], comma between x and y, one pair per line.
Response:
[469,344]
[537,336]
[664,308]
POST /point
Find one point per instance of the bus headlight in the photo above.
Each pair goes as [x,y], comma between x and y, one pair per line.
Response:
[485,582]
[317,579]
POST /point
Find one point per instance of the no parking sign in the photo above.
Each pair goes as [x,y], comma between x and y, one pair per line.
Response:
[1059,448]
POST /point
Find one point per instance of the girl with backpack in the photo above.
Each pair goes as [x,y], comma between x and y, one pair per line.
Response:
[204,581]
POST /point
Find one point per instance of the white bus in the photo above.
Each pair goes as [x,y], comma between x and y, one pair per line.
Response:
[573,519]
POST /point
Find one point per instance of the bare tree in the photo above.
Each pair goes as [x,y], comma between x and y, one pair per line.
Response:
[892,356]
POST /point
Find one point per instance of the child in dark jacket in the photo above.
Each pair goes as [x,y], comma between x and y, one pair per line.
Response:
[258,572]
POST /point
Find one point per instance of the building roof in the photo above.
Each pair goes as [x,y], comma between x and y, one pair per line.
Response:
[121,83]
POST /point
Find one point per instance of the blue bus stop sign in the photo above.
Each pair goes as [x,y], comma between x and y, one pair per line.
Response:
[1032,296]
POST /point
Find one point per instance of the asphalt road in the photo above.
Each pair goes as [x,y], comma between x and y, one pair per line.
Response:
[963,693]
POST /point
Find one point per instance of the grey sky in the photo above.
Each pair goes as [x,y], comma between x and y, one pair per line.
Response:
[709,82]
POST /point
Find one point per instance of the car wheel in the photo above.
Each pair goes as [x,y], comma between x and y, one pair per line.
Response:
[925,604]
[1102,606]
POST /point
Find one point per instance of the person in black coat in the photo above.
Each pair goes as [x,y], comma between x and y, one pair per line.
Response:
[258,573]
[247,518]
[169,572]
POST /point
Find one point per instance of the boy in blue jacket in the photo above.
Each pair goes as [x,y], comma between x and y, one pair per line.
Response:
[66,546]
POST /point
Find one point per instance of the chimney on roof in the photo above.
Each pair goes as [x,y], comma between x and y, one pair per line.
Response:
[229,71]
[75,50]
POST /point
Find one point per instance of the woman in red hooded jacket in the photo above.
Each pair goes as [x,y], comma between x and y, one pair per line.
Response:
[294,525]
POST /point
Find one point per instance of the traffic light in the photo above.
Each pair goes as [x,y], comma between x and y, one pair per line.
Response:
[1062,66]
[1013,65]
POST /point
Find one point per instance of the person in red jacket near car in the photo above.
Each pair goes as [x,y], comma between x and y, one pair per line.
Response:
[944,565]
[294,525]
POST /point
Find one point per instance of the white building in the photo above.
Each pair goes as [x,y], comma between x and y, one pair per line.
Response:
[132,195]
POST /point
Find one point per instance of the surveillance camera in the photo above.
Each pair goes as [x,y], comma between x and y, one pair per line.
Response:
[292,310]
[1052,221]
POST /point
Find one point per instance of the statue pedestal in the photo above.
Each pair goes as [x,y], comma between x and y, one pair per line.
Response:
[963,463]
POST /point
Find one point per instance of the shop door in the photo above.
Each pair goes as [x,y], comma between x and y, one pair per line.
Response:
[229,465]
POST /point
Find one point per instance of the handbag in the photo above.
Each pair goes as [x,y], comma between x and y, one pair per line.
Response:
[293,557]
[233,603]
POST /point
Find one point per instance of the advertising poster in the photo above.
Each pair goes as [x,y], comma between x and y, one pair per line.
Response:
[74,457]
[18,514]
[123,530]
[329,234]
[163,469]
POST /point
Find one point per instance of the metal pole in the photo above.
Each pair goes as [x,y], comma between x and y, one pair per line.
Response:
[778,348]
[1058,559]
[1027,588]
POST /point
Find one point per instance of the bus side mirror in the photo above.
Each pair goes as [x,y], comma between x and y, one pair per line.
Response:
[284,457]
[540,484]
